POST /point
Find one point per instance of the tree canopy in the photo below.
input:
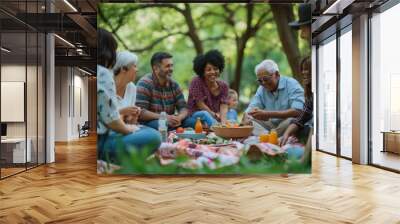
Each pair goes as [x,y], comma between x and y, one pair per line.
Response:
[245,33]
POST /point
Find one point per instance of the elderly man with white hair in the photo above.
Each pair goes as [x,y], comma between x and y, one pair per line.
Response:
[276,102]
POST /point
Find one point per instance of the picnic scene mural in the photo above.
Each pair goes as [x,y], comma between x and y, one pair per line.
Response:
[204,88]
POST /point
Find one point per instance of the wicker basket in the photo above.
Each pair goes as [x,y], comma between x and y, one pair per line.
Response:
[238,132]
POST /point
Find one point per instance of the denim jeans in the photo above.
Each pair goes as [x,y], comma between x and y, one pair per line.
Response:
[295,152]
[144,138]
[154,124]
[204,117]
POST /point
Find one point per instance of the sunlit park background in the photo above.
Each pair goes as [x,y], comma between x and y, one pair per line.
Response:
[245,34]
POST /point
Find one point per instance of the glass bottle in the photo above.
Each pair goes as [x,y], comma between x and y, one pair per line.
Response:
[198,128]
[163,127]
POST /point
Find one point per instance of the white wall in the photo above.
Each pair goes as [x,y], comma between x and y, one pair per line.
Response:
[12,73]
[71,94]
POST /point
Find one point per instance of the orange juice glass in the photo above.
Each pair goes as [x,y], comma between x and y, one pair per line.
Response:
[264,138]
[273,137]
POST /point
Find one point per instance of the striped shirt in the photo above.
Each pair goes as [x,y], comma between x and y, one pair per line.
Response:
[153,97]
[306,114]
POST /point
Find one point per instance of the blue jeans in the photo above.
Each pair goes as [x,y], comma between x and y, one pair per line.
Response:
[109,144]
[204,117]
[154,124]
[295,152]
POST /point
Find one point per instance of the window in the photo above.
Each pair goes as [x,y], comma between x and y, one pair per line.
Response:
[327,96]
[346,93]
[385,86]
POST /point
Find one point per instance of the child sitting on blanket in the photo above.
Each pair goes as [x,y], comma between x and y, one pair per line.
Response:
[232,114]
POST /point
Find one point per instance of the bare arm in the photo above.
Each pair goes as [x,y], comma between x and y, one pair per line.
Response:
[183,114]
[223,110]
[147,115]
[266,115]
[284,114]
[202,106]
[291,130]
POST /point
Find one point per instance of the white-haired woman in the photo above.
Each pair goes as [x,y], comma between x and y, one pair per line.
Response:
[125,70]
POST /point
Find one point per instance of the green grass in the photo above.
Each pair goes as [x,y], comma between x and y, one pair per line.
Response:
[137,162]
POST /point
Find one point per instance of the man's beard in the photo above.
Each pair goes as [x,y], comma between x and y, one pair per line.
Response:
[166,74]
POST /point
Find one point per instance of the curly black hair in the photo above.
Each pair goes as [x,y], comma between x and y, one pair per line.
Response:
[213,57]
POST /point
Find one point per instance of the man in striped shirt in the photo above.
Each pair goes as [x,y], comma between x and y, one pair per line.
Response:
[157,92]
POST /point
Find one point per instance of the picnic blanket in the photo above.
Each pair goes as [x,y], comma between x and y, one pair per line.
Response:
[198,155]
[219,155]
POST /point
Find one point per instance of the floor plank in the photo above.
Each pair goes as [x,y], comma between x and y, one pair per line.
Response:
[70,191]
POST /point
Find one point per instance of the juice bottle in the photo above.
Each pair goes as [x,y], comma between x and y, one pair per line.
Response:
[198,127]
[273,137]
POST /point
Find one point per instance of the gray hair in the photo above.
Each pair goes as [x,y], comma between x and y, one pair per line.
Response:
[268,65]
[124,60]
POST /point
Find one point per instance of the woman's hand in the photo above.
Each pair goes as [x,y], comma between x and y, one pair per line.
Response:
[284,139]
[130,119]
[128,111]
[130,114]
[217,116]
[291,130]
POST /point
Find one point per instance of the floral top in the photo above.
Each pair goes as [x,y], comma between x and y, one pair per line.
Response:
[198,91]
[107,102]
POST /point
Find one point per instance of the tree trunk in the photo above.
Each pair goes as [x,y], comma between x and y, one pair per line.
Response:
[238,69]
[283,14]
[192,31]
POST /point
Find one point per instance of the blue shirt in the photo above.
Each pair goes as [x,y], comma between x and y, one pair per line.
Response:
[289,95]
[232,115]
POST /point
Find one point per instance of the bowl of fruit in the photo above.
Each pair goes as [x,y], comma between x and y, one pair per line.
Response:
[229,130]
[189,133]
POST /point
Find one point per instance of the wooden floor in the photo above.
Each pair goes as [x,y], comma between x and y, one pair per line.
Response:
[386,159]
[70,191]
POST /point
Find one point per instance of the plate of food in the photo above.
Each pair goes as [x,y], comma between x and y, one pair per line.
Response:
[189,133]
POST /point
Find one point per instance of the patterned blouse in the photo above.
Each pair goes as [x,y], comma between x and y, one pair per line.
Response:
[306,114]
[198,91]
[107,102]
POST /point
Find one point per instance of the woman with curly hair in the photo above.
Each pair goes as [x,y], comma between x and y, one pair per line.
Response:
[208,95]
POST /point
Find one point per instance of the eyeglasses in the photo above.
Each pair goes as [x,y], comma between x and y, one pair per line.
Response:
[264,79]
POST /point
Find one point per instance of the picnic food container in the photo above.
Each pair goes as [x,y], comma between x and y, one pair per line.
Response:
[189,133]
[233,132]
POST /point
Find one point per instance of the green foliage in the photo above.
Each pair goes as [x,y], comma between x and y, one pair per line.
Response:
[140,27]
[139,162]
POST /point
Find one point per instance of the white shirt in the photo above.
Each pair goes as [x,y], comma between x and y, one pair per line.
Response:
[129,98]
